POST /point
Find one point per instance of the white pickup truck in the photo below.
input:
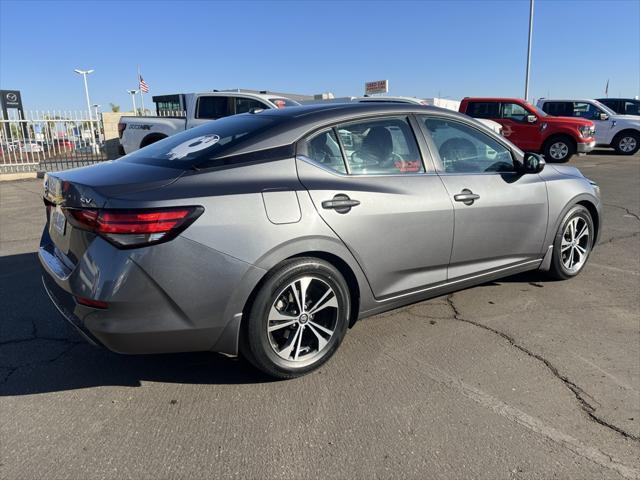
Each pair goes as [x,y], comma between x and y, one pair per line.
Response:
[177,113]
[621,132]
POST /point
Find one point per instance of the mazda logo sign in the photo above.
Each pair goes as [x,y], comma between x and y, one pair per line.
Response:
[12,97]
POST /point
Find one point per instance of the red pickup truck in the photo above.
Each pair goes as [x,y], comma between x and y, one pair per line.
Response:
[532,130]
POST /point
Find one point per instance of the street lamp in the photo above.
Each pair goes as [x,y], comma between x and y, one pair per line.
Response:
[84,74]
[526,81]
[133,99]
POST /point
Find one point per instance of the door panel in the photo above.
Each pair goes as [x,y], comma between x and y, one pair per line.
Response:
[500,214]
[505,225]
[400,232]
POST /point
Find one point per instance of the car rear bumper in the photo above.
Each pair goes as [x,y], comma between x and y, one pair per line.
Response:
[153,305]
[586,147]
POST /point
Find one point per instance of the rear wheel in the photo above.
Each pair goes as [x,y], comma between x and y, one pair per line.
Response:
[627,143]
[297,319]
[573,244]
[559,149]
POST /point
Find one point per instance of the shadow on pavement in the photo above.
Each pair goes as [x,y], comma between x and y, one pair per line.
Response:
[40,352]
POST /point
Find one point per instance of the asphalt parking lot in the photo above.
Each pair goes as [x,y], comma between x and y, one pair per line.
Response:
[521,378]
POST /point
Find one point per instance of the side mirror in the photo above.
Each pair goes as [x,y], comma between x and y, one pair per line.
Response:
[533,163]
[604,116]
[532,118]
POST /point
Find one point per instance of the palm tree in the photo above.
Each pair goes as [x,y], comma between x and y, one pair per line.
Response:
[114,107]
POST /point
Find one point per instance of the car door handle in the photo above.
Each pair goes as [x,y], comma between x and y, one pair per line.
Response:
[341,203]
[466,196]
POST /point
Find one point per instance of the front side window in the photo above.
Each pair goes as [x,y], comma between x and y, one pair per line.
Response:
[586,110]
[463,149]
[324,149]
[380,146]
[282,102]
[483,109]
[515,112]
[213,107]
[244,105]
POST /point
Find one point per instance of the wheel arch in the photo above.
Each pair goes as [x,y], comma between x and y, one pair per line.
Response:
[595,216]
[152,138]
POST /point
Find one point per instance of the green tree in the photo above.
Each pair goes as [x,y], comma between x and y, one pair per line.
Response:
[114,107]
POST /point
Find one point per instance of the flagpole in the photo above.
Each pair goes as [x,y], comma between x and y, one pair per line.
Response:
[141,92]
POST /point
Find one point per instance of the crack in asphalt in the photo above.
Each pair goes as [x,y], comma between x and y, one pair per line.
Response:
[578,392]
[629,212]
[34,336]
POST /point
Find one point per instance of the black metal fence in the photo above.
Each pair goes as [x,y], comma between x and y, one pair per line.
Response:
[49,141]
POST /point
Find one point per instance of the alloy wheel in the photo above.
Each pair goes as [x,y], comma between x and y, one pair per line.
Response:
[575,244]
[627,144]
[559,150]
[302,319]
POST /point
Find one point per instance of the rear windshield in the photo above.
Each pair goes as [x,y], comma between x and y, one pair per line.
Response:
[284,102]
[199,147]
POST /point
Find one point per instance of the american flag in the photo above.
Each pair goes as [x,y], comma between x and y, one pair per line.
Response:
[144,88]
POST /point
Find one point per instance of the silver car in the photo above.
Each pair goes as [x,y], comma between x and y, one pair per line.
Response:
[268,234]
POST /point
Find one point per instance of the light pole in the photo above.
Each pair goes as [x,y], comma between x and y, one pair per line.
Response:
[133,99]
[526,82]
[84,74]
[97,107]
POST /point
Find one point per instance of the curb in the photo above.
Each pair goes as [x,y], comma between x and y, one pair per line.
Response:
[6,177]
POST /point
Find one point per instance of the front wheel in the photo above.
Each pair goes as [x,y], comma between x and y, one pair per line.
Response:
[559,149]
[573,244]
[297,319]
[627,143]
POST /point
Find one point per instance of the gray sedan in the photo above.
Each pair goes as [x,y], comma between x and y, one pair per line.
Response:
[268,234]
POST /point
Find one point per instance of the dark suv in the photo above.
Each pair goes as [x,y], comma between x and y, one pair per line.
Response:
[623,106]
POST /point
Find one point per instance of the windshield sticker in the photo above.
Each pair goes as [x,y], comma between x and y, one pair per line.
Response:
[193,145]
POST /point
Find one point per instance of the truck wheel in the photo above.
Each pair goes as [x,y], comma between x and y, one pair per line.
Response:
[627,143]
[559,149]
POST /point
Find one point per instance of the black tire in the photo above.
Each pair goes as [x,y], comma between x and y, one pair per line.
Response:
[559,269]
[257,344]
[556,144]
[624,143]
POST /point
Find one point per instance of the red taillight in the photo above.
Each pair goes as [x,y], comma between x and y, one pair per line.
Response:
[121,129]
[127,228]
[89,302]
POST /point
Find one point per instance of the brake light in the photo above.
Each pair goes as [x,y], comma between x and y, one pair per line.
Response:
[134,228]
[89,302]
[121,129]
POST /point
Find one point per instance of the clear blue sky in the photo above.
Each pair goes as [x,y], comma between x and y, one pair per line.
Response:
[451,48]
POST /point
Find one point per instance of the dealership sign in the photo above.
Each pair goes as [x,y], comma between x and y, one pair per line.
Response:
[379,86]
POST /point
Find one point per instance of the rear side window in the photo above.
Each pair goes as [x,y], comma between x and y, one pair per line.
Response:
[632,107]
[213,107]
[483,109]
[558,109]
[324,149]
[380,146]
[202,146]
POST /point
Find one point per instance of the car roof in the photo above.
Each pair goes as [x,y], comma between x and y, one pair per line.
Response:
[293,123]
[493,99]
[398,99]
[618,98]
[233,93]
[567,100]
